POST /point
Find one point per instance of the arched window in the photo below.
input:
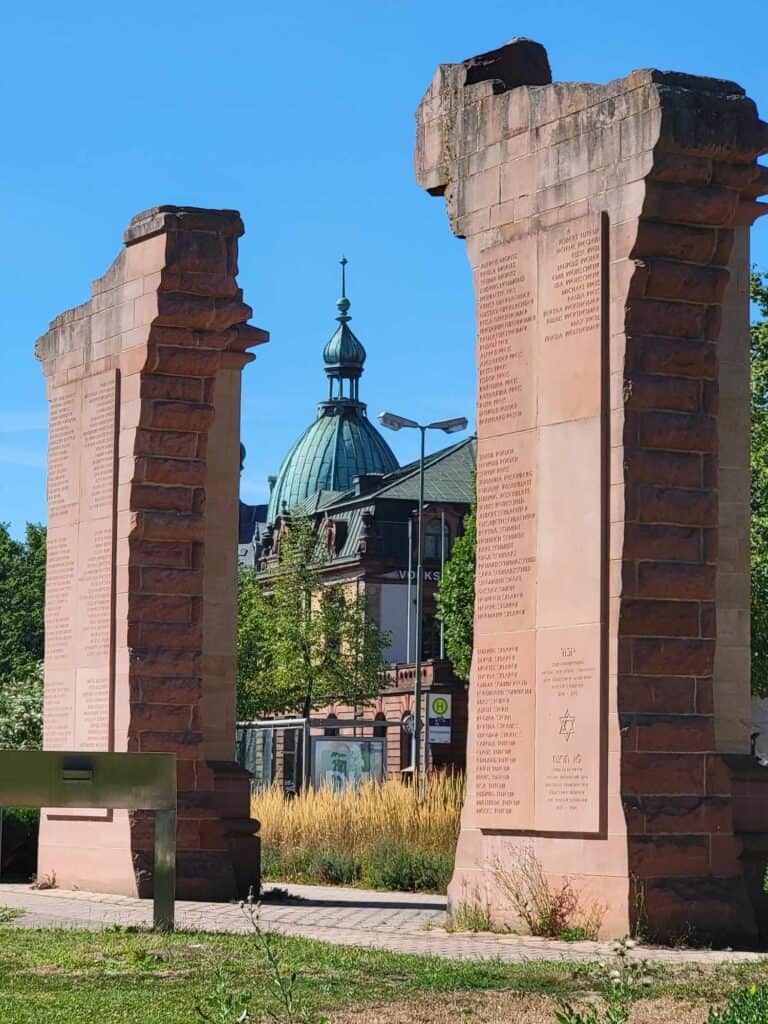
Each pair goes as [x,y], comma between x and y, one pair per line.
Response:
[434,549]
[330,730]
[380,730]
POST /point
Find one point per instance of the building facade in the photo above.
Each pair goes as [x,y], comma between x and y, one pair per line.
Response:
[343,475]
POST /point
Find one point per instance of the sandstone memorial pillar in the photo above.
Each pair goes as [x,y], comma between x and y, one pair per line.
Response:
[143,382]
[606,227]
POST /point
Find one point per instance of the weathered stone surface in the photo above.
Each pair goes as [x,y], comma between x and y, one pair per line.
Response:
[669,161]
[137,378]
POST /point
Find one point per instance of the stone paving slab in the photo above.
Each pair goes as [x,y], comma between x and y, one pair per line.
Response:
[399,922]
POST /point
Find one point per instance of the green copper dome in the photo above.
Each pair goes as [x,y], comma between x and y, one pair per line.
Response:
[342,443]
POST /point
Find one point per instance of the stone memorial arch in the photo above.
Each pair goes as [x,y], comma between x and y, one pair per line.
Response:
[607,231]
[143,382]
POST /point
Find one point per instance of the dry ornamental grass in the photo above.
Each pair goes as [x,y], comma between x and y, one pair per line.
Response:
[375,834]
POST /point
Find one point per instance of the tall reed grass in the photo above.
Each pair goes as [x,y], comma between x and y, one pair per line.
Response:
[389,836]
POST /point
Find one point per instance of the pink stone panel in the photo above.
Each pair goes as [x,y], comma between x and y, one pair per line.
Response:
[502,759]
[569,722]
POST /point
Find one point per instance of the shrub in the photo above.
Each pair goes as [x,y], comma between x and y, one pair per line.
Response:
[21,712]
[747,1006]
[19,849]
[335,867]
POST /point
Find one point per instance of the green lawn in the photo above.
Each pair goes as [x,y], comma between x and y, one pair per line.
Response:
[78,977]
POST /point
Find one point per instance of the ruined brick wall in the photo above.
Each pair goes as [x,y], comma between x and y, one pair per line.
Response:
[670,161]
[168,324]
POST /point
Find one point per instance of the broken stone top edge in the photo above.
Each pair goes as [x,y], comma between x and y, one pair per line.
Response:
[524,61]
[158,219]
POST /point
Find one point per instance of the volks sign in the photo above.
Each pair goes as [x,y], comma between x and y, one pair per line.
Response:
[439,717]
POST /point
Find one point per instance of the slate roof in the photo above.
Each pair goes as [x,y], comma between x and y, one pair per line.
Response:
[340,445]
[448,477]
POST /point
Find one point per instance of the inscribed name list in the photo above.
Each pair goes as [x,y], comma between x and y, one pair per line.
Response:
[80,570]
[540,563]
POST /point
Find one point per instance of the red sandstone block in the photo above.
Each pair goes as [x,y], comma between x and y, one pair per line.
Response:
[170,690]
[171,581]
[669,856]
[659,618]
[707,619]
[672,656]
[674,241]
[705,696]
[689,814]
[676,580]
[725,853]
[185,774]
[724,247]
[665,319]
[689,282]
[676,734]
[187,362]
[161,664]
[197,804]
[181,472]
[710,205]
[663,694]
[198,500]
[714,323]
[218,284]
[182,337]
[158,608]
[657,391]
[163,554]
[170,635]
[160,717]
[736,176]
[717,776]
[660,774]
[199,312]
[711,542]
[166,499]
[710,397]
[172,526]
[677,356]
[185,742]
[176,416]
[658,541]
[187,835]
[198,251]
[681,469]
[673,505]
[176,389]
[213,835]
[175,444]
[680,167]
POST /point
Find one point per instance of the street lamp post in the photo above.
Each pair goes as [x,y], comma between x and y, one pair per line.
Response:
[394,422]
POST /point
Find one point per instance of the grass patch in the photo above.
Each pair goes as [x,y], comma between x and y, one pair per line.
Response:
[335,838]
[129,977]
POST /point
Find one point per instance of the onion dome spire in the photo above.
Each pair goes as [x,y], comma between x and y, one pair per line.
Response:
[344,355]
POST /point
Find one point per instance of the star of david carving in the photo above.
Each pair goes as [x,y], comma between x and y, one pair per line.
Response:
[567,725]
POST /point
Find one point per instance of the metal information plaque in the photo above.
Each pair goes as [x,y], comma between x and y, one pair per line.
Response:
[133,782]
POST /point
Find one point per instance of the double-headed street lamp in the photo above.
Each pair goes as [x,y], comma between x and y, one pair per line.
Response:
[394,422]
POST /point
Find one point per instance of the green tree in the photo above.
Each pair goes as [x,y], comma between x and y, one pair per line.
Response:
[21,712]
[759,493]
[22,600]
[456,597]
[302,644]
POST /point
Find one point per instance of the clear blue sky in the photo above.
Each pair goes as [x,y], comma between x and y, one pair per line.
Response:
[300,115]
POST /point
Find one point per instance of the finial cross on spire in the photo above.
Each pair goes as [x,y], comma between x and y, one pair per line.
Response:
[343,261]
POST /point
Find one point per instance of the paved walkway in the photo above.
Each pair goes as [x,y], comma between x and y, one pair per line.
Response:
[400,922]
